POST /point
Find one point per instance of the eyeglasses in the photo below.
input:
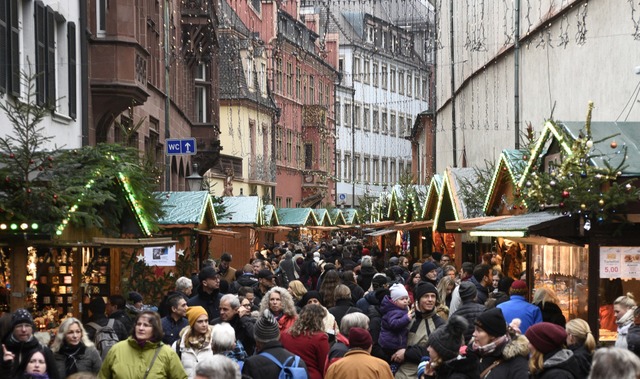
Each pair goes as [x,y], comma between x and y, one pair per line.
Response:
[248,305]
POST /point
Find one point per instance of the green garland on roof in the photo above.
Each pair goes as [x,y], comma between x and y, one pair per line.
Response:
[576,185]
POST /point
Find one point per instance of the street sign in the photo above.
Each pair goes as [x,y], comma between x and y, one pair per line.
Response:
[183,146]
[342,197]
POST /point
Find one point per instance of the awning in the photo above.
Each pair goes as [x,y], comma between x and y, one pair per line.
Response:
[134,242]
[225,233]
[323,228]
[379,224]
[522,225]
[414,225]
[381,232]
[274,229]
[471,223]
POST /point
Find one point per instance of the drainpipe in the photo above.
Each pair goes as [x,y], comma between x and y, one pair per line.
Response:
[516,73]
[336,83]
[167,99]
[433,97]
[353,144]
[453,89]
[84,74]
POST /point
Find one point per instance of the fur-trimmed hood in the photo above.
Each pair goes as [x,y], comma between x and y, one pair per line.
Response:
[517,346]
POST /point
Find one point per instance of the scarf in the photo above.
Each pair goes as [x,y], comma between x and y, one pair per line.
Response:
[198,342]
[72,354]
[490,347]
[37,376]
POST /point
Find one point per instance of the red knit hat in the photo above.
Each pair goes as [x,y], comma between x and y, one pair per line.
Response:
[360,338]
[518,287]
[546,337]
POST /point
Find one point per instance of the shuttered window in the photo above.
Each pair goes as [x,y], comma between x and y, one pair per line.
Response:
[71,43]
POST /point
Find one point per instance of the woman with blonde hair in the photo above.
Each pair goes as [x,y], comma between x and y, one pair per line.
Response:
[297,291]
[280,304]
[195,341]
[73,351]
[547,300]
[623,308]
[445,289]
[581,342]
[307,339]
[549,358]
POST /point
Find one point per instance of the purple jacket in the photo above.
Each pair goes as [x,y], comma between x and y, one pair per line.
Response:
[395,325]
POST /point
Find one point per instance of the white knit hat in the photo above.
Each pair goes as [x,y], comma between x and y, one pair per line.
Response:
[398,291]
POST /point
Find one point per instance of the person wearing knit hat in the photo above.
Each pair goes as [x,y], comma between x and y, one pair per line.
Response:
[267,335]
[429,272]
[443,348]
[20,344]
[194,343]
[502,355]
[396,317]
[518,307]
[469,309]
[425,322]
[358,362]
[547,341]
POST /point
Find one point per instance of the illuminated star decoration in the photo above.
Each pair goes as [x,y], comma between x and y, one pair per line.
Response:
[180,252]
[140,257]
[171,274]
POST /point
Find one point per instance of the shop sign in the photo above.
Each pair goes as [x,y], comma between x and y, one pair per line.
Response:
[160,256]
[619,262]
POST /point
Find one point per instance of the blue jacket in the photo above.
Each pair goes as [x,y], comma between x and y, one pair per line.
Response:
[395,325]
[518,307]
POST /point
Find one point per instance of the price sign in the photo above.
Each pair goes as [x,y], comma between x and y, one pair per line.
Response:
[610,263]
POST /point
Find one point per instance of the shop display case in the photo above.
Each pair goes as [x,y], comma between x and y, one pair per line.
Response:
[96,270]
[55,285]
[563,269]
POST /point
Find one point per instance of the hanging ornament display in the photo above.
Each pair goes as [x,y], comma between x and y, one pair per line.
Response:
[565,194]
[614,144]
[601,202]
[552,183]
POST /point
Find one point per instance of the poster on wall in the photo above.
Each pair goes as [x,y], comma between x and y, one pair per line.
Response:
[619,262]
[160,256]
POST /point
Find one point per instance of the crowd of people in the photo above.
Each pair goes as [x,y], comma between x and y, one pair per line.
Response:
[332,310]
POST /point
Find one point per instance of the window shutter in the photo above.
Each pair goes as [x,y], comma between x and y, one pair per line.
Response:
[71,43]
[14,42]
[51,57]
[4,47]
[41,53]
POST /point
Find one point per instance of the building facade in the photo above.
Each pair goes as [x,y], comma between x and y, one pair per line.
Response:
[40,47]
[152,75]
[385,72]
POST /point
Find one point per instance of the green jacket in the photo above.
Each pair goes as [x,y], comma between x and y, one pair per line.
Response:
[127,360]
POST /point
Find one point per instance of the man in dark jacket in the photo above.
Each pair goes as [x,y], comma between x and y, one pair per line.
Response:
[97,315]
[267,336]
[208,295]
[240,319]
[176,320]
[18,344]
[247,279]
[469,310]
[344,304]
[378,282]
[116,309]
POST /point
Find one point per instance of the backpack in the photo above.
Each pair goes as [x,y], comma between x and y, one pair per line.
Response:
[290,369]
[105,337]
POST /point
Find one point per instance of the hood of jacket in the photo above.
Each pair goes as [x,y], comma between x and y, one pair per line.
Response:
[517,346]
[562,359]
[389,306]
[368,271]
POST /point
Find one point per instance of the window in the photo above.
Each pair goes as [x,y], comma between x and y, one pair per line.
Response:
[393,80]
[370,33]
[356,116]
[338,167]
[341,65]
[101,17]
[308,156]
[289,146]
[392,125]
[356,68]
[262,76]
[45,55]
[375,168]
[338,113]
[312,90]
[10,48]
[288,202]
[366,71]
[257,5]
[347,167]
[375,74]
[326,93]
[401,168]
[401,126]
[298,83]
[324,151]
[358,168]
[365,120]
[417,87]
[424,90]
[248,73]
[376,121]
[279,75]
[202,92]
[347,114]
[299,157]
[279,132]
[392,171]
[385,178]
[320,94]
[401,82]
[384,75]
[385,123]
[367,169]
[278,202]
[289,79]
[409,84]
[409,127]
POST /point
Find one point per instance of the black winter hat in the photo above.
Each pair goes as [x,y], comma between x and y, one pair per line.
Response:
[492,321]
[21,316]
[422,288]
[447,339]
[467,291]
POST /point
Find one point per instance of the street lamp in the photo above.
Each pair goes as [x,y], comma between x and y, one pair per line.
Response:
[194,181]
